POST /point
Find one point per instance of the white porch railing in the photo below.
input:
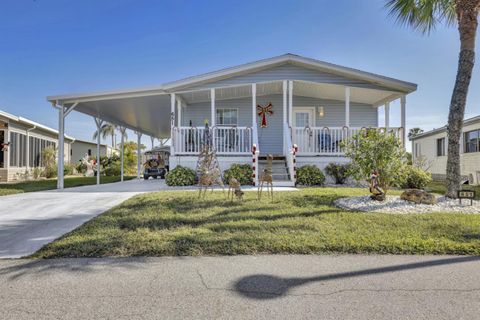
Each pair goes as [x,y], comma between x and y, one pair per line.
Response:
[226,140]
[327,140]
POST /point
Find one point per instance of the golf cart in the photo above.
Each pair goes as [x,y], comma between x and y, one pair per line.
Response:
[156,163]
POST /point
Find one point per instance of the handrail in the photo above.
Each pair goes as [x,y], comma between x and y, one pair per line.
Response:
[289,151]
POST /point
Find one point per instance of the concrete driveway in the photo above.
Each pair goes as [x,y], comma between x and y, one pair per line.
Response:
[30,220]
[356,287]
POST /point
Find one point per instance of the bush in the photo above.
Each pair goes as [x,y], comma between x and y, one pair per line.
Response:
[310,175]
[68,169]
[338,171]
[415,178]
[241,172]
[181,176]
[375,151]
[50,172]
[113,169]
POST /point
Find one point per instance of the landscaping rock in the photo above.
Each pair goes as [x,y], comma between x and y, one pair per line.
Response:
[418,196]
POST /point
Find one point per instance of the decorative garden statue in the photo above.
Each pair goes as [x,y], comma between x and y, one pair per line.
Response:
[375,189]
[266,177]
[89,165]
[234,186]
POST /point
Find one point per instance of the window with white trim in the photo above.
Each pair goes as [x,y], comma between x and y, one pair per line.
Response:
[227,116]
[440,147]
[471,141]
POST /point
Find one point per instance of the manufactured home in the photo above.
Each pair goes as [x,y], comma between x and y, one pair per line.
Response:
[22,142]
[431,149]
[255,109]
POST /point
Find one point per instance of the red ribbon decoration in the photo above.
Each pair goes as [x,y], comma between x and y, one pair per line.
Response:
[263,111]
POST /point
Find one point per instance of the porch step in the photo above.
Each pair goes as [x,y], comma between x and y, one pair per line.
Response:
[279,169]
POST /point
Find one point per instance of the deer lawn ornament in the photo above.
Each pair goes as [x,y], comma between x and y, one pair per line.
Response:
[234,186]
[210,178]
[266,177]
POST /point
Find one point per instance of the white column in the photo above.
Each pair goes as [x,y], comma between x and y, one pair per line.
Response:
[61,138]
[122,132]
[152,139]
[172,122]
[290,103]
[285,90]
[387,116]
[254,104]
[99,123]
[347,106]
[27,151]
[212,98]
[139,154]
[179,113]
[403,112]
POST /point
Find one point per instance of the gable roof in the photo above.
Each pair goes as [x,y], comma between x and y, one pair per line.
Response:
[466,122]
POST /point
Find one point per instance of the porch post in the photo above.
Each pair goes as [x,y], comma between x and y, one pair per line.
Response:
[99,123]
[139,163]
[61,136]
[212,98]
[179,113]
[285,84]
[254,104]
[347,106]
[290,103]
[122,132]
[152,139]
[403,111]
[387,116]
[172,121]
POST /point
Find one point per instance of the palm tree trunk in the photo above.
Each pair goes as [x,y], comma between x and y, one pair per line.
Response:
[467,12]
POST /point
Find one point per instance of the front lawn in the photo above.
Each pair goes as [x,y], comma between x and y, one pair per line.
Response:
[40,185]
[178,223]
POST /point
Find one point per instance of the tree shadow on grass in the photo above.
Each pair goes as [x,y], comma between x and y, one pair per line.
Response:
[265,286]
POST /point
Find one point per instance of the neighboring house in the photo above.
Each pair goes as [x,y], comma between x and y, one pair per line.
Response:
[309,103]
[431,148]
[80,148]
[26,139]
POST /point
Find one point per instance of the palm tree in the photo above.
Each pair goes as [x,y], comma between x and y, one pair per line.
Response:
[413,132]
[424,15]
[107,129]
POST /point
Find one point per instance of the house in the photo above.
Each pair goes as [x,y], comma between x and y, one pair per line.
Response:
[431,148]
[80,148]
[22,142]
[255,109]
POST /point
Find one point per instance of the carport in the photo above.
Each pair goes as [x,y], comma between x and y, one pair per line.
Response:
[144,111]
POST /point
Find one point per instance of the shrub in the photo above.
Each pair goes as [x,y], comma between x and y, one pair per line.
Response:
[241,172]
[415,178]
[36,173]
[338,171]
[68,169]
[310,175]
[180,176]
[50,172]
[113,169]
[81,168]
[372,150]
[48,159]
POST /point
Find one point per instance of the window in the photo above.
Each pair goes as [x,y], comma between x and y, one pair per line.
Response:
[18,149]
[440,147]
[89,152]
[227,117]
[471,141]
[417,150]
[2,154]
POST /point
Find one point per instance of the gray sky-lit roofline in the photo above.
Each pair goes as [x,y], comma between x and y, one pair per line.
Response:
[466,122]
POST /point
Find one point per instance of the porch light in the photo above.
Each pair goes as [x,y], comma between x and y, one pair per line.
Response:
[321,112]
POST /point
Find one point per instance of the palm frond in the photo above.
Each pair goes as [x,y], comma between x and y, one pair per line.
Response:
[422,15]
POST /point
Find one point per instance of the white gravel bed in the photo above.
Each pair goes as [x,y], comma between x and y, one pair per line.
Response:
[394,205]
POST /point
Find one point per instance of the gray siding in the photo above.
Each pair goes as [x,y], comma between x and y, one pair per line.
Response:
[288,72]
[361,115]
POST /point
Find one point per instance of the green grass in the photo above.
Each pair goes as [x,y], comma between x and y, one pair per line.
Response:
[40,185]
[440,188]
[303,222]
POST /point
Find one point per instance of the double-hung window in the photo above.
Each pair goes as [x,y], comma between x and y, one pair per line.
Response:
[440,147]
[471,141]
[227,117]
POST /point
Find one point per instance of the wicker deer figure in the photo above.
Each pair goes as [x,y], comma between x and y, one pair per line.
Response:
[210,178]
[266,177]
[234,186]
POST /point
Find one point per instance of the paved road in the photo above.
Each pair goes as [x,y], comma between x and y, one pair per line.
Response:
[243,287]
[30,220]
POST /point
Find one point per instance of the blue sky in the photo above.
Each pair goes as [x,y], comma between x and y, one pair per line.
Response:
[64,46]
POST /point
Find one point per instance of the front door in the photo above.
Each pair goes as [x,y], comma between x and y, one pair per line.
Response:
[303,117]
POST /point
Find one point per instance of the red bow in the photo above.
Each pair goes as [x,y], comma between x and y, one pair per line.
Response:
[263,111]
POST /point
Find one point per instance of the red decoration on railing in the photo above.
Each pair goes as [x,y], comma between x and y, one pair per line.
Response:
[263,111]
